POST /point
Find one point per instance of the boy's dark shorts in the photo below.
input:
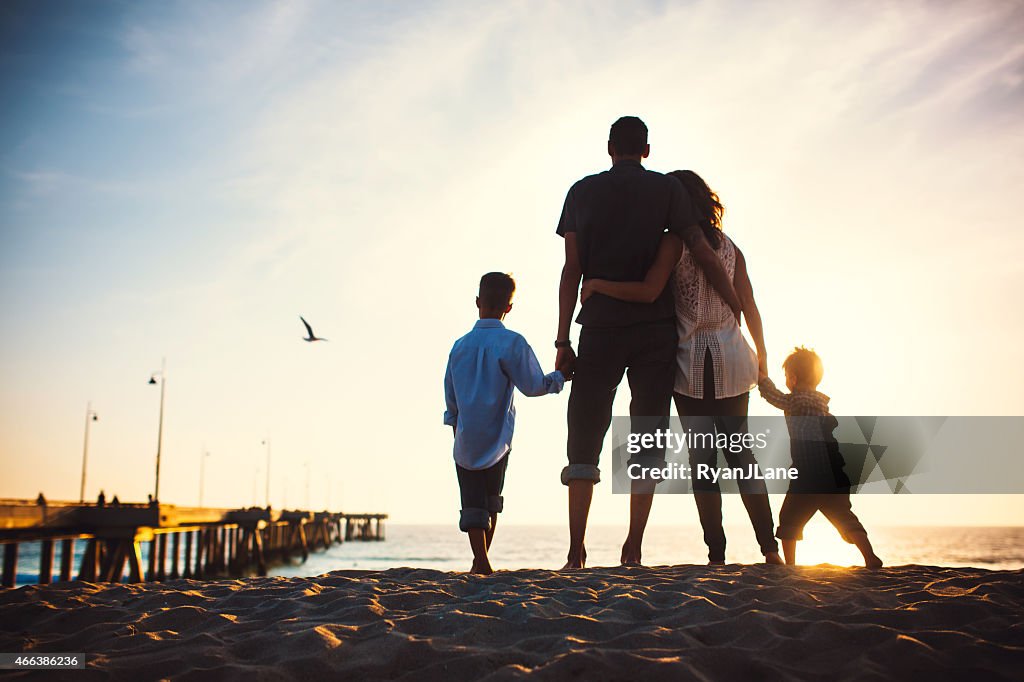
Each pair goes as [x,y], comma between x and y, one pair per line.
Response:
[798,508]
[480,490]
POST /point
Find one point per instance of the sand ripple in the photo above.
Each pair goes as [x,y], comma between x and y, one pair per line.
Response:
[680,622]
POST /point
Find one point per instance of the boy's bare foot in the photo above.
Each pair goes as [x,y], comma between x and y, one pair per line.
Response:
[478,541]
[774,559]
[860,539]
[481,569]
[789,549]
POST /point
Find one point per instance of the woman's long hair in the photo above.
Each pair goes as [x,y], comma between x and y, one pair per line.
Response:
[706,204]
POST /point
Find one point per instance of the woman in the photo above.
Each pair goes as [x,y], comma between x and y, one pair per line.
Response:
[716,366]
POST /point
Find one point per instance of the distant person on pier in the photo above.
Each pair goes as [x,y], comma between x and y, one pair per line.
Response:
[101,500]
[483,368]
[41,501]
[115,502]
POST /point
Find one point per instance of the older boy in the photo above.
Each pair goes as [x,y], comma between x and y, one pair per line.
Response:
[483,367]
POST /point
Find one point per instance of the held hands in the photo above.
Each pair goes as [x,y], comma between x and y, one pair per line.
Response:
[762,367]
[565,362]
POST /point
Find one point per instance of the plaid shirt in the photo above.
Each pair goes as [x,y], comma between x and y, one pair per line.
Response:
[814,449]
[796,404]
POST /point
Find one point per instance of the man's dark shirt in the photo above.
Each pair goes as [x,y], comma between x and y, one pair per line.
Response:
[619,217]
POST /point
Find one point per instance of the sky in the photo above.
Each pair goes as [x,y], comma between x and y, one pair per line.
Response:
[183,180]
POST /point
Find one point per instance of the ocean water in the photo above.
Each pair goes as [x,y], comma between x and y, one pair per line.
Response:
[444,548]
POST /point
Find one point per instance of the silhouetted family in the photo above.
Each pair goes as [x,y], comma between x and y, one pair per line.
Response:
[663,291]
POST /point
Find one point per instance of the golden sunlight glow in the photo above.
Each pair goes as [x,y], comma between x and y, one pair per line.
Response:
[822,544]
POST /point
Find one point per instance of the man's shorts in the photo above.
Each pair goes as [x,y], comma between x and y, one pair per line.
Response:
[646,354]
[480,490]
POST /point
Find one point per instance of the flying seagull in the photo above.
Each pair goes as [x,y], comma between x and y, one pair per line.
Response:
[309,330]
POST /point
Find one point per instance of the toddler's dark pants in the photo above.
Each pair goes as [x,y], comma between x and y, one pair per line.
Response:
[798,508]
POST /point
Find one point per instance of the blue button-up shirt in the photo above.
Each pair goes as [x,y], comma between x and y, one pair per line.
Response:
[483,367]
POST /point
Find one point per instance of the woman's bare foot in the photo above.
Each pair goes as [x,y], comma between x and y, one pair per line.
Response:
[774,559]
[717,562]
[872,562]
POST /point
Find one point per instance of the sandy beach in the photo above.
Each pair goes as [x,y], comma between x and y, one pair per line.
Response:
[680,622]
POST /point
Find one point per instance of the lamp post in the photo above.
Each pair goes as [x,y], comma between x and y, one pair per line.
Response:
[90,416]
[202,474]
[267,500]
[160,429]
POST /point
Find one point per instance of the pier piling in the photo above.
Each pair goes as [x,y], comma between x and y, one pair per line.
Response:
[217,542]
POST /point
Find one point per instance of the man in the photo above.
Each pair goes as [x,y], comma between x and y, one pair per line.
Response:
[613,224]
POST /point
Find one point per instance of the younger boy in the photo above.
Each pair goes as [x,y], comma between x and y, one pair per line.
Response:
[483,367]
[822,485]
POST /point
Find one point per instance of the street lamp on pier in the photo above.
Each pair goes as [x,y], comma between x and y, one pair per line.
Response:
[267,500]
[160,428]
[90,416]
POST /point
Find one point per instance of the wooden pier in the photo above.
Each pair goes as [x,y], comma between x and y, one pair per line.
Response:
[183,542]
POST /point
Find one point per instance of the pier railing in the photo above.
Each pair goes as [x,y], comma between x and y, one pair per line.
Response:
[180,542]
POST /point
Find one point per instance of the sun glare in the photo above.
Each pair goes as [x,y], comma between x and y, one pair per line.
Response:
[822,544]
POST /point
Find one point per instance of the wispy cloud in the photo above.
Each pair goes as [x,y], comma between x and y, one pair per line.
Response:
[237,164]
[57,183]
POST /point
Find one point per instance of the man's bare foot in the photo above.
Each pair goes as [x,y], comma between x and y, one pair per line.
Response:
[872,562]
[630,554]
[575,561]
[774,559]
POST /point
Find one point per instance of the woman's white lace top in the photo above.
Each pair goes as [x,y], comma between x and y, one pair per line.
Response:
[706,323]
